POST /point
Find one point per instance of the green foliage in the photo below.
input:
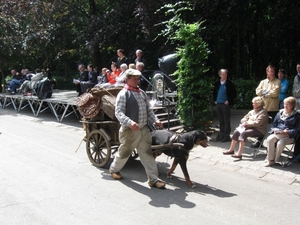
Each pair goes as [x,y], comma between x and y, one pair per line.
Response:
[8,78]
[243,36]
[245,90]
[193,87]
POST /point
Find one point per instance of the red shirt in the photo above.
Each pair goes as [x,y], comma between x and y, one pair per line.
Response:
[112,76]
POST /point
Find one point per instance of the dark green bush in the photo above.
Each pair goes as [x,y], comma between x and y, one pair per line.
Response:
[245,90]
[193,102]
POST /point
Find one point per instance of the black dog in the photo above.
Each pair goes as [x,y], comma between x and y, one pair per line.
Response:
[181,155]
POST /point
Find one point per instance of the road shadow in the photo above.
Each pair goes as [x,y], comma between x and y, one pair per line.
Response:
[134,177]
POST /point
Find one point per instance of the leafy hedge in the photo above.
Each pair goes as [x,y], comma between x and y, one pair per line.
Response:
[245,93]
[193,102]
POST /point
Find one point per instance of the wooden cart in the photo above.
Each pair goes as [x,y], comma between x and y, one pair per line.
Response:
[102,142]
[102,134]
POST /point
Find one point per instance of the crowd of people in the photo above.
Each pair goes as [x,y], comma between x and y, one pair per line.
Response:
[271,103]
[113,77]
[24,82]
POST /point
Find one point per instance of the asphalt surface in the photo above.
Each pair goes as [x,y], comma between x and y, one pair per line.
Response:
[45,181]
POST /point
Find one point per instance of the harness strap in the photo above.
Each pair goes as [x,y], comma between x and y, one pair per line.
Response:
[174,138]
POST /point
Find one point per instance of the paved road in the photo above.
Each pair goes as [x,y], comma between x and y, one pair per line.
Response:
[43,181]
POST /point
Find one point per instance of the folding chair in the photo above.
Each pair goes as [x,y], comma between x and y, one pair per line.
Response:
[290,153]
[288,163]
[262,137]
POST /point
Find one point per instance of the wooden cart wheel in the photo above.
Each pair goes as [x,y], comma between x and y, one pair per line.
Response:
[98,148]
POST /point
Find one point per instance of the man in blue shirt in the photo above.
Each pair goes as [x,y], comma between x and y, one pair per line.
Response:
[224,94]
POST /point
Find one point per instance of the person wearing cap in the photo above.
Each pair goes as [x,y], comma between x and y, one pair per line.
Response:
[133,112]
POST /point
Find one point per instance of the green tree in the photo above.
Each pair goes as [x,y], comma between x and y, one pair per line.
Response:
[193,86]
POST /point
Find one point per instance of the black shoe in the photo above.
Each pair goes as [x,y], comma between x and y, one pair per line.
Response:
[226,139]
[219,138]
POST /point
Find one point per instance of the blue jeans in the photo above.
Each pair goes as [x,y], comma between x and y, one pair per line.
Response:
[13,85]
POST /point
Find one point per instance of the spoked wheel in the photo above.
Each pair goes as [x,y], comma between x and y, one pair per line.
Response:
[98,148]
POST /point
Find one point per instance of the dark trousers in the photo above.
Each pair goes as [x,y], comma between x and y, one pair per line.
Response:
[78,88]
[223,112]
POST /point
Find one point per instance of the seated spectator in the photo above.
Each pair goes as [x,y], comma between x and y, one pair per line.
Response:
[254,123]
[83,76]
[19,80]
[112,76]
[285,128]
[132,66]
[28,86]
[92,79]
[102,77]
[121,79]
[26,75]
[15,82]
[145,76]
[48,74]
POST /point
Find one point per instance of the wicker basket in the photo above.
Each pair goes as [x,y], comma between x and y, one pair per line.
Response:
[88,105]
[107,104]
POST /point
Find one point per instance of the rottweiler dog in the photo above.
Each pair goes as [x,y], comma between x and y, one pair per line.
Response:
[180,154]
